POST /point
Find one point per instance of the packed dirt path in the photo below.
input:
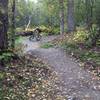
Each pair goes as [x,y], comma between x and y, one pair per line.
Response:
[77,83]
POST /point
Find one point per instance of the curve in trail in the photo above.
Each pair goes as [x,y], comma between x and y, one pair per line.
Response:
[76,82]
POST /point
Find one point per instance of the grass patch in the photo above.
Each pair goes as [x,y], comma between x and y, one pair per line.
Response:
[47,45]
[19,39]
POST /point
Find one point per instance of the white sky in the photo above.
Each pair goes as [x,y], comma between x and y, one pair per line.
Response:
[35,1]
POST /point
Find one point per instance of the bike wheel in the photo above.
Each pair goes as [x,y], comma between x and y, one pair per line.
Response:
[31,38]
[38,37]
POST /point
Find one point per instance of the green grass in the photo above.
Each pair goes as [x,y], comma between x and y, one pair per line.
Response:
[19,39]
[6,56]
[47,45]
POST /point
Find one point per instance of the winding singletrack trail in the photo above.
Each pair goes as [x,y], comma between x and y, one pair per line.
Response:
[77,83]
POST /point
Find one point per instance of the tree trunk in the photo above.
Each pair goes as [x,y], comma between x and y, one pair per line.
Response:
[13,24]
[89,13]
[61,4]
[3,24]
[70,16]
[95,39]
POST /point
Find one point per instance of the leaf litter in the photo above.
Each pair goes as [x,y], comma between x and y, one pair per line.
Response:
[28,78]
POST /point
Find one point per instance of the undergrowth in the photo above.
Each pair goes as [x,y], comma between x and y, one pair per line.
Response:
[75,45]
[50,31]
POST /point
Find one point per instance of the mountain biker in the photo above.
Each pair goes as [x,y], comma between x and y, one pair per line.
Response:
[36,34]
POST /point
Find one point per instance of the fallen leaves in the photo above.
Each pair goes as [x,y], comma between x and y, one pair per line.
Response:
[28,78]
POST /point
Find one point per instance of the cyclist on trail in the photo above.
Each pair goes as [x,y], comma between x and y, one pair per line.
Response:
[36,34]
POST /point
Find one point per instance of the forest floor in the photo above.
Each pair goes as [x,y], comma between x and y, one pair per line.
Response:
[75,82]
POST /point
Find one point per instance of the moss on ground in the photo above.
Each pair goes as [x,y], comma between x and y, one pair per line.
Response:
[47,45]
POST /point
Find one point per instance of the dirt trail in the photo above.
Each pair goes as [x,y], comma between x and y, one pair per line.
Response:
[77,83]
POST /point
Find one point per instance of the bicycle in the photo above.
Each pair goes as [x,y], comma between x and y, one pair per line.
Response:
[36,35]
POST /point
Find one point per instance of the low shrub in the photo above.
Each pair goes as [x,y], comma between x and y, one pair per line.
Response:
[5,57]
[80,36]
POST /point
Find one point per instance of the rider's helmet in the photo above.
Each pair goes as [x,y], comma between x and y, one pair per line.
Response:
[38,29]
